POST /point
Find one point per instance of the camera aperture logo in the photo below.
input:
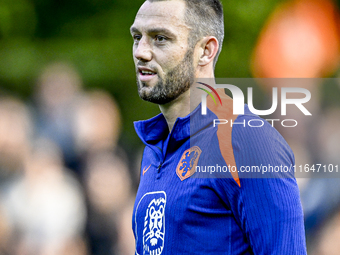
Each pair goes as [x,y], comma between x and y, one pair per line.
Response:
[239,101]
[213,90]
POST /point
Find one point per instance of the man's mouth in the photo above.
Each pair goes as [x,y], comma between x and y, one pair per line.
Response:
[146,74]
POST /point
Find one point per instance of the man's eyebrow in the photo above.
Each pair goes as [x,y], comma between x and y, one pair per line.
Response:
[134,30]
[154,31]
[161,31]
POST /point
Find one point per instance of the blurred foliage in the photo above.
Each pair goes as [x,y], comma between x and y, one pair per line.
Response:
[94,36]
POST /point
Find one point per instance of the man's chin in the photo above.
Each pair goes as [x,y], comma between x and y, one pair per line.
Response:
[147,94]
[147,86]
[144,91]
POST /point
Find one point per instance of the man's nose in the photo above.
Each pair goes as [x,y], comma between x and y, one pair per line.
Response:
[143,51]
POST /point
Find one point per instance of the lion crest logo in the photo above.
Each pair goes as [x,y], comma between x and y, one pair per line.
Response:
[150,224]
[188,162]
[153,233]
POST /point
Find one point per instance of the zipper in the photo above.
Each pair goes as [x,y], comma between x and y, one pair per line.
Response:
[161,160]
[158,174]
[159,167]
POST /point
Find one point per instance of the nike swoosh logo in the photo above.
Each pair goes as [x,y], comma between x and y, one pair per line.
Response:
[145,170]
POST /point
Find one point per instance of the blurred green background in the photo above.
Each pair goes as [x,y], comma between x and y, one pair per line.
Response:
[94,36]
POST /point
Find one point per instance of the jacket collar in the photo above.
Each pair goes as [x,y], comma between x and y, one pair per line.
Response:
[155,129]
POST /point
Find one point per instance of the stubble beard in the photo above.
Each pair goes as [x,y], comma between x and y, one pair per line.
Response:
[177,81]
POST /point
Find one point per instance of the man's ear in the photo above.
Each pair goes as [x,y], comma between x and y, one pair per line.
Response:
[208,50]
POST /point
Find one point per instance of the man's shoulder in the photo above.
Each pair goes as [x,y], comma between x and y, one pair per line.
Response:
[250,127]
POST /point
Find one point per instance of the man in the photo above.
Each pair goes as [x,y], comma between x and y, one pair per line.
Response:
[178,210]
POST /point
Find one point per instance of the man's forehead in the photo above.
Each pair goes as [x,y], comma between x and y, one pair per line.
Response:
[162,12]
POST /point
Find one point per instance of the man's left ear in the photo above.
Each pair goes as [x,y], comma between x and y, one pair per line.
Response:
[208,50]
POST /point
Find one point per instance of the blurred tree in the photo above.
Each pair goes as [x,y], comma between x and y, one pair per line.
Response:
[94,36]
[53,14]
[17,18]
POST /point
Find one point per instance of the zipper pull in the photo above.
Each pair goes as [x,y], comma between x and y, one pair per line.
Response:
[159,167]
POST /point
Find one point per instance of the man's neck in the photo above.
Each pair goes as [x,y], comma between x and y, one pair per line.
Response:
[189,100]
[181,106]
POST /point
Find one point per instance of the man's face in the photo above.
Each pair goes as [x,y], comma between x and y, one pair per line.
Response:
[163,59]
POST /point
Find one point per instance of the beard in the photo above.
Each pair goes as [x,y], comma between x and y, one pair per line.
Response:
[176,81]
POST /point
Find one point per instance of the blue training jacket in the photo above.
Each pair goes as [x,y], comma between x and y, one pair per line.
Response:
[228,189]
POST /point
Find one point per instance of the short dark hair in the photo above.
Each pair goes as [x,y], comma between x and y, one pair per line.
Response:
[206,19]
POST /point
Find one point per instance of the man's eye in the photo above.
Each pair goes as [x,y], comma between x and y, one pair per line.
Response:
[160,38]
[137,38]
